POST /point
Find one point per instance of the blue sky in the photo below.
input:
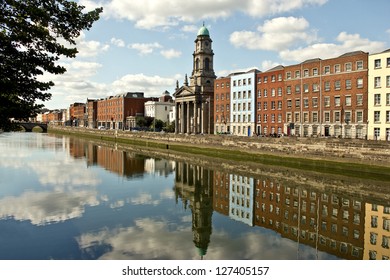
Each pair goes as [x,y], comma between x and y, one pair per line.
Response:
[146,45]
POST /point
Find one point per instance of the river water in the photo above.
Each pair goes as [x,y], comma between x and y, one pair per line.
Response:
[69,198]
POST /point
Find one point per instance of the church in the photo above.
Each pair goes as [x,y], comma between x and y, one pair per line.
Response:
[194,101]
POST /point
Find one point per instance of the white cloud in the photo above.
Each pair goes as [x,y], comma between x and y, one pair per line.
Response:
[41,208]
[190,28]
[151,85]
[89,48]
[171,53]
[144,49]
[157,239]
[268,64]
[346,43]
[150,14]
[118,42]
[275,35]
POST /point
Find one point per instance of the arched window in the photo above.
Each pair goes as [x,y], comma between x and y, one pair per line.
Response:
[207,64]
[197,64]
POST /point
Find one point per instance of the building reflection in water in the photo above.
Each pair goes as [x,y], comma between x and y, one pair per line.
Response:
[346,225]
[123,163]
[343,225]
[194,186]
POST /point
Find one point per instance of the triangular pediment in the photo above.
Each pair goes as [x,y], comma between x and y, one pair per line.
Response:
[184,91]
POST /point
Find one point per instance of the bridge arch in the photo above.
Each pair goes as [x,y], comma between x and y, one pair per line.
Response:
[28,127]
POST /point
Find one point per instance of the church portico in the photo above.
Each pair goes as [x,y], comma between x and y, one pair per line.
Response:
[193,116]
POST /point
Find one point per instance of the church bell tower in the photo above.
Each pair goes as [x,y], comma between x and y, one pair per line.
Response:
[203,68]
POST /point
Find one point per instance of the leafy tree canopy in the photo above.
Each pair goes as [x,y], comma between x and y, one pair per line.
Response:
[33,35]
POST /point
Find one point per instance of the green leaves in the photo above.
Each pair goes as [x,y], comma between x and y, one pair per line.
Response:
[33,34]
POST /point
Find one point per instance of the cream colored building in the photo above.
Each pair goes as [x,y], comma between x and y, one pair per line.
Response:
[379,96]
[377,232]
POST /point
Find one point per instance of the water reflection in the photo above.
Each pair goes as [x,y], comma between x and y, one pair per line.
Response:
[109,202]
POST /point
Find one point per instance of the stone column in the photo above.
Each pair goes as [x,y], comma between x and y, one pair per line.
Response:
[196,117]
[177,117]
[188,117]
[182,119]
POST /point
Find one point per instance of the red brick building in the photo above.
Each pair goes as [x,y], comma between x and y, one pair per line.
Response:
[269,102]
[327,97]
[113,111]
[77,114]
[222,105]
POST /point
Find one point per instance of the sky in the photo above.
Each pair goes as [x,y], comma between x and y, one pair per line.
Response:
[147,45]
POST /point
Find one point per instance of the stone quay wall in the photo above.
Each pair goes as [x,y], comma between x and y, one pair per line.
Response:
[334,149]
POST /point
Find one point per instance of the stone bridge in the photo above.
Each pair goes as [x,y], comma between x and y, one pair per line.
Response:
[28,126]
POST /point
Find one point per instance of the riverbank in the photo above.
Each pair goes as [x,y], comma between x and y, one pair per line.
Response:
[329,149]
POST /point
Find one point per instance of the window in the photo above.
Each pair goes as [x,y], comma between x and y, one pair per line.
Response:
[265,79]
[288,117]
[258,106]
[347,118]
[259,80]
[374,221]
[348,67]
[377,82]
[327,101]
[388,62]
[288,89]
[297,103]
[337,100]
[373,238]
[337,68]
[386,224]
[273,92]
[265,93]
[279,91]
[377,99]
[306,102]
[327,86]
[348,101]
[359,83]
[387,81]
[297,89]
[377,63]
[315,102]
[306,117]
[387,99]
[359,65]
[327,70]
[249,81]
[348,84]
[359,116]
[387,116]
[377,116]
[337,85]
[259,93]
[273,78]
[306,73]
[306,88]
[316,87]
[289,103]
[288,75]
[280,77]
[337,116]
[297,74]
[377,132]
[315,117]
[359,99]
[315,72]
[327,116]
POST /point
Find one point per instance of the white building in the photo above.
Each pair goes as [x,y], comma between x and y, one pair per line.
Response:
[243,100]
[160,109]
[241,199]
[379,96]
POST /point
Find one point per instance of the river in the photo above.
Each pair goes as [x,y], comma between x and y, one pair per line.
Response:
[69,199]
